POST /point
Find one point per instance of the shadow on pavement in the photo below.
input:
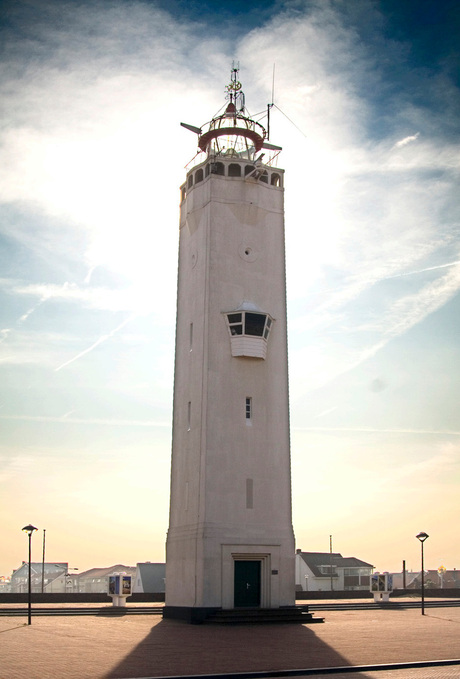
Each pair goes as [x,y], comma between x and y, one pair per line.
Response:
[443,617]
[9,629]
[175,648]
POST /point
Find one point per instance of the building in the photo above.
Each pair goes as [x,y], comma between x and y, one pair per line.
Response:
[325,571]
[5,584]
[230,541]
[96,580]
[149,578]
[42,577]
[433,579]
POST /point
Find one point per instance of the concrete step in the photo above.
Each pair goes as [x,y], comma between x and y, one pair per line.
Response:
[294,614]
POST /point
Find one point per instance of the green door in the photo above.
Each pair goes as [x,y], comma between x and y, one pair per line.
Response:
[247,584]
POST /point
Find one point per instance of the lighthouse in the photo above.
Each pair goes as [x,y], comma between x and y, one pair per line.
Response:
[230,542]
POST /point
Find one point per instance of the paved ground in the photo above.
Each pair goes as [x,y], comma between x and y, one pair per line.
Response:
[147,646]
[423,673]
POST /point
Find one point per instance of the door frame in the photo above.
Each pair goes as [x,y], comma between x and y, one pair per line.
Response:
[262,553]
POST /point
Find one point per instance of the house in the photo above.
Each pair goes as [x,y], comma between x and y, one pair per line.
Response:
[42,577]
[5,584]
[325,571]
[433,579]
[149,578]
[96,580]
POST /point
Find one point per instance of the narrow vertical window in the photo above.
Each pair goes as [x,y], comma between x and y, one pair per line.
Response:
[249,493]
[189,415]
[249,408]
[191,336]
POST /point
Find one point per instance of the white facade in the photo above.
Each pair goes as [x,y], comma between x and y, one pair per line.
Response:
[313,572]
[230,514]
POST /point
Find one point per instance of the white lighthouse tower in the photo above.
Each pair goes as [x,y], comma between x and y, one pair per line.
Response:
[230,542]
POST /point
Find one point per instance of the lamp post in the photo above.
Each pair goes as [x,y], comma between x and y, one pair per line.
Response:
[29,530]
[330,562]
[422,537]
[43,561]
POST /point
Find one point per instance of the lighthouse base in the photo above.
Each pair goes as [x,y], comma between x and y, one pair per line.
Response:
[235,616]
[194,615]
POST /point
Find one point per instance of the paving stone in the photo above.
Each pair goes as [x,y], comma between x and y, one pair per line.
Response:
[147,646]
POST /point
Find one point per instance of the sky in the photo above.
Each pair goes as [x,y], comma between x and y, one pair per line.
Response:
[366,107]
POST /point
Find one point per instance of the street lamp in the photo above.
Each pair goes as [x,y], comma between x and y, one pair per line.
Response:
[29,530]
[422,537]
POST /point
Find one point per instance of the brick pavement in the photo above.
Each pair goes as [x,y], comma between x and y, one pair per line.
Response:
[146,646]
[421,673]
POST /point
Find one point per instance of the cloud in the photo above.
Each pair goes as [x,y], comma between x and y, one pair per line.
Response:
[97,343]
[328,411]
[94,146]
[39,347]
[4,334]
[440,467]
[66,419]
[407,140]
[412,309]
[376,430]
[409,310]
[95,157]
[428,268]
[395,320]
[108,299]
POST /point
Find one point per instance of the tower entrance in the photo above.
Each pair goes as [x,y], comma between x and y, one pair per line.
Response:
[247,584]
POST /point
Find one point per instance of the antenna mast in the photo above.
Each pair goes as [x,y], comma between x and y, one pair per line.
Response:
[270,106]
[234,91]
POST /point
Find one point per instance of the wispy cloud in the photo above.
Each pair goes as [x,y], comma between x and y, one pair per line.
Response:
[323,413]
[103,298]
[409,310]
[407,140]
[376,430]
[65,419]
[397,318]
[98,342]
[417,271]
[4,334]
